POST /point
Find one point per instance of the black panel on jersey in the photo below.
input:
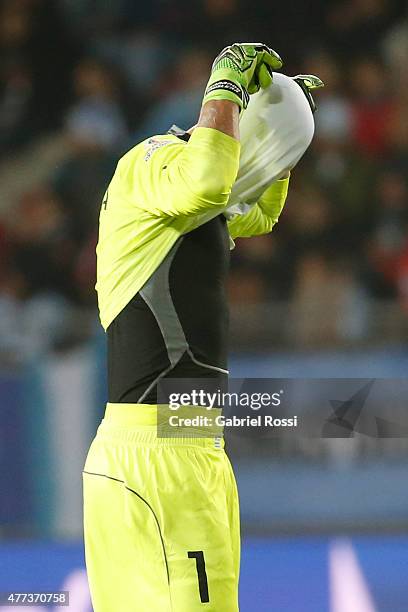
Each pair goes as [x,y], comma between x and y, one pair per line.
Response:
[137,352]
[197,286]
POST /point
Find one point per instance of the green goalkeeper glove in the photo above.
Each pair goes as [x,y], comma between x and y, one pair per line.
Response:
[308,82]
[240,70]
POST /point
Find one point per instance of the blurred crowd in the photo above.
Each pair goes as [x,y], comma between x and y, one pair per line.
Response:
[81,82]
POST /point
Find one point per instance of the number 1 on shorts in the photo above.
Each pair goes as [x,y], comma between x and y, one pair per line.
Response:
[198,555]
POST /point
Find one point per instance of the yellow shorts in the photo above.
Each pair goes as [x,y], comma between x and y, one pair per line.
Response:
[161,519]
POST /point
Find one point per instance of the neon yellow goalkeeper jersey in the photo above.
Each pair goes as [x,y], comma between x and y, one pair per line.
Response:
[163,188]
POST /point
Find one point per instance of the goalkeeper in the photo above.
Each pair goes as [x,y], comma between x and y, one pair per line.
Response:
[161,516]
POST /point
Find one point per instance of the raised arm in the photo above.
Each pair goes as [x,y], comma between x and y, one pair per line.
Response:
[200,177]
[221,115]
[263,215]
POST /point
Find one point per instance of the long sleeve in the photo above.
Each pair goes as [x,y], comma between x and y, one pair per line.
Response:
[261,218]
[179,178]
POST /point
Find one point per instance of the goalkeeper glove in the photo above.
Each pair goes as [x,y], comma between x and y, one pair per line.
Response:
[308,82]
[240,70]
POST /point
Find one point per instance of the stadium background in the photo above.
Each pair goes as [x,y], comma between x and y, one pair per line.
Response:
[326,295]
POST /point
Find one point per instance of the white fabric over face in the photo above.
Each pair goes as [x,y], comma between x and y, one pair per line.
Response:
[276,129]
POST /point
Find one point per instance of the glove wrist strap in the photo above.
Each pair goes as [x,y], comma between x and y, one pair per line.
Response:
[224,85]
